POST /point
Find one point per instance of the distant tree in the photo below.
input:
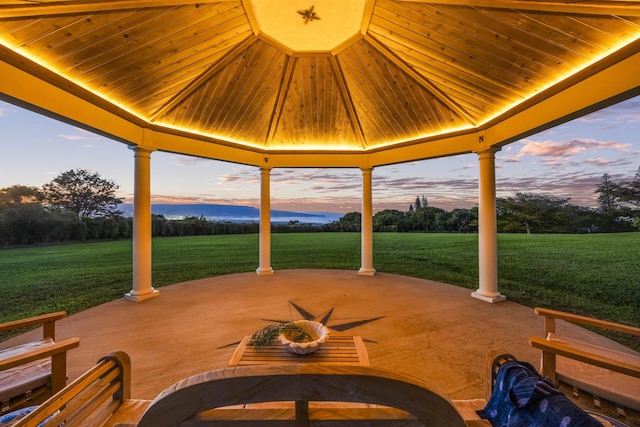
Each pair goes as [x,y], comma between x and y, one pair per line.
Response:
[388,220]
[425,203]
[461,220]
[19,194]
[418,203]
[84,193]
[607,195]
[530,212]
[351,221]
[629,191]
[615,214]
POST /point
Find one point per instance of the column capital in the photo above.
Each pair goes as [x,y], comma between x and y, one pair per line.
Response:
[140,149]
[487,151]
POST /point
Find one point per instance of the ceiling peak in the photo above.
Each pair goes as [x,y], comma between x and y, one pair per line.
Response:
[334,22]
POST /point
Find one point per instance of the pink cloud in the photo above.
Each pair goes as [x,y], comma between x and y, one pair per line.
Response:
[598,161]
[568,148]
[188,160]
[230,178]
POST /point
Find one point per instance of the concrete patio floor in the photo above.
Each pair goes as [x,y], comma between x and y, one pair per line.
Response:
[428,329]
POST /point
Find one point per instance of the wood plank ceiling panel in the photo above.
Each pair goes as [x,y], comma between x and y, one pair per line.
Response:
[390,104]
[235,103]
[562,43]
[167,63]
[314,111]
[418,36]
[182,60]
[487,59]
[144,56]
[463,43]
[586,35]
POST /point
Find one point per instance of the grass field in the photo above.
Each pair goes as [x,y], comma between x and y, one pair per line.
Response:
[596,275]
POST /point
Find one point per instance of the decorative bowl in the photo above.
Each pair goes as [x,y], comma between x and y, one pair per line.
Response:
[318,332]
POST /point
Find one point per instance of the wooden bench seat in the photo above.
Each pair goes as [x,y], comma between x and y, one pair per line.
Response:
[30,377]
[31,372]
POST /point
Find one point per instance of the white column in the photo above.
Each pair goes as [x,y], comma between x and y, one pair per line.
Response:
[488,230]
[366,264]
[265,223]
[142,288]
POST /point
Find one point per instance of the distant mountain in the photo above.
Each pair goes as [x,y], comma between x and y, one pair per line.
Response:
[232,213]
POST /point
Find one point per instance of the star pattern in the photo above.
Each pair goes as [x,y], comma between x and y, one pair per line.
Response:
[324,318]
[308,15]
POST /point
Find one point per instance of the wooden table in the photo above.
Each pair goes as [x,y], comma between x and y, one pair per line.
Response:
[339,349]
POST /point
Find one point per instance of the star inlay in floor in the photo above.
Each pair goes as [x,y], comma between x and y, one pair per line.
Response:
[324,318]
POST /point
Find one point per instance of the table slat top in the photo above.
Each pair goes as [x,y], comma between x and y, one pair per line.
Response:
[337,350]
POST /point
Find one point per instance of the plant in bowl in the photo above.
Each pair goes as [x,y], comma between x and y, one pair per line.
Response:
[298,336]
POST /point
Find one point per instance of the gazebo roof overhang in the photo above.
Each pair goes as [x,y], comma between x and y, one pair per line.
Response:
[363,84]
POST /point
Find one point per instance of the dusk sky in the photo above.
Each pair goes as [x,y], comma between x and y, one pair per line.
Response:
[567,161]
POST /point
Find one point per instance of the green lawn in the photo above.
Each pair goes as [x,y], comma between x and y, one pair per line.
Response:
[597,275]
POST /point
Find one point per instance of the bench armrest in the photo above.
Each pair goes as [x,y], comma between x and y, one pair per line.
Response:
[583,355]
[550,315]
[47,320]
[43,352]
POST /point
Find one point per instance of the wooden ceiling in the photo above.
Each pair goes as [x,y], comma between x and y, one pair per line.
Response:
[418,72]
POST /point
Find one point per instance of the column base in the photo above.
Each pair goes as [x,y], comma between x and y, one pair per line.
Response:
[498,298]
[129,296]
[264,271]
[367,272]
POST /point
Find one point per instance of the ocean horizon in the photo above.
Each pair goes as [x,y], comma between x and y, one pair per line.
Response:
[233,213]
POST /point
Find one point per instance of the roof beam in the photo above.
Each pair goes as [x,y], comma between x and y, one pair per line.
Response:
[346,97]
[604,7]
[277,111]
[204,77]
[22,9]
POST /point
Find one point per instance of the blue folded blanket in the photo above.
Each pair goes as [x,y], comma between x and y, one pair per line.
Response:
[13,417]
[523,398]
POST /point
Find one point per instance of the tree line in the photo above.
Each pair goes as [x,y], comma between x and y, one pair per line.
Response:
[79,205]
[618,210]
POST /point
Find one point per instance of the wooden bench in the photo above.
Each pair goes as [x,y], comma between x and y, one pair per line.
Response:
[606,379]
[31,372]
[100,397]
[231,397]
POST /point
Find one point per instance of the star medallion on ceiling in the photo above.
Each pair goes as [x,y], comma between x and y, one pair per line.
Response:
[325,319]
[308,15]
